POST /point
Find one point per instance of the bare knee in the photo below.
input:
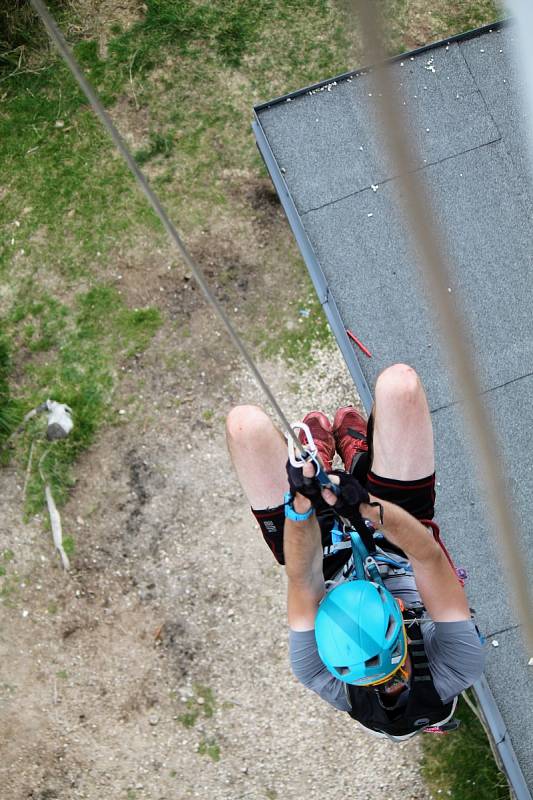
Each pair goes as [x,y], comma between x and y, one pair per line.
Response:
[399,383]
[247,422]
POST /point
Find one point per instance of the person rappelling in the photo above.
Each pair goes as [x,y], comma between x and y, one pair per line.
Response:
[387,637]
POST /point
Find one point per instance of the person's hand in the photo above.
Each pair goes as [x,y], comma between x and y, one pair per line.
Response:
[302,480]
[352,494]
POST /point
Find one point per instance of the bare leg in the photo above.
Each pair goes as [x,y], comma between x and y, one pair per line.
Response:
[259,453]
[403,433]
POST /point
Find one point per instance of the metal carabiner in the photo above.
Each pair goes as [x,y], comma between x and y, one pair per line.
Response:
[312,455]
[309,447]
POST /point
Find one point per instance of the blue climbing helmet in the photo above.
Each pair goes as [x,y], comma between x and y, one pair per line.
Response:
[360,633]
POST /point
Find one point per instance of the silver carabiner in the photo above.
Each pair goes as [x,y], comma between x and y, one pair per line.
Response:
[309,445]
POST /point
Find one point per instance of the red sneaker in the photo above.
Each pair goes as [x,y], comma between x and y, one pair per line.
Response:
[349,430]
[322,432]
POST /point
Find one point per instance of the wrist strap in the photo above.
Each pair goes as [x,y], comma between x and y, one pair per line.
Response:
[290,513]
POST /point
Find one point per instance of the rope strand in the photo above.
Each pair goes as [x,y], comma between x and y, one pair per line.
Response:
[64,50]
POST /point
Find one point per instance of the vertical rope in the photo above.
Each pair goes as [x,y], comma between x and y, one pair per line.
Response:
[59,41]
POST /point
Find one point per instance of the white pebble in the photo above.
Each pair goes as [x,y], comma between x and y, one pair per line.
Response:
[495,643]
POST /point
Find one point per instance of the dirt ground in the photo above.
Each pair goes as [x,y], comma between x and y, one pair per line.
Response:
[157,668]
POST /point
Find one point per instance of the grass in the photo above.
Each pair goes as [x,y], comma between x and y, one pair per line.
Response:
[10,414]
[294,332]
[205,708]
[209,747]
[68,202]
[461,765]
[459,17]
[80,345]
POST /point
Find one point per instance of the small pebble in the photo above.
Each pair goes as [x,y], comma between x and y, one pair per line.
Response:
[495,643]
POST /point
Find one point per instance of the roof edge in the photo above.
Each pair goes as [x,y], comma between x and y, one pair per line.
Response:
[460,37]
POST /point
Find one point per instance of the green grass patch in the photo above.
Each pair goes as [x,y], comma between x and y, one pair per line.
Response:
[456,17]
[201,704]
[68,201]
[209,747]
[461,765]
[10,413]
[9,589]
[296,332]
[81,346]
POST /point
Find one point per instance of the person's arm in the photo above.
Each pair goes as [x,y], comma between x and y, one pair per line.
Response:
[439,587]
[302,547]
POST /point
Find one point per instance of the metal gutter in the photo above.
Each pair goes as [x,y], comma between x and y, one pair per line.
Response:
[495,723]
[502,742]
